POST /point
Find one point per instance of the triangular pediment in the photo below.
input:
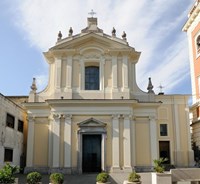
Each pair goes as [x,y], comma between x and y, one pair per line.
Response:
[91,123]
[101,40]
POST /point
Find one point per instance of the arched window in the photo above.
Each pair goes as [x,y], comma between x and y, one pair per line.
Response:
[198,43]
[92,78]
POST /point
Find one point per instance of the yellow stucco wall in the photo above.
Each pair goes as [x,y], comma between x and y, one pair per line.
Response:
[41,142]
[142,143]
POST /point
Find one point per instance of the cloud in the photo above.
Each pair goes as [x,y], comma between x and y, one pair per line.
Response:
[153,27]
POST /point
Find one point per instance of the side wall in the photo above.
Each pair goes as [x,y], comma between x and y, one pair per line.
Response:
[11,138]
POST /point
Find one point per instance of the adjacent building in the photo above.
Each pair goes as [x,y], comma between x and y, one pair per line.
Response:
[192,27]
[92,116]
[12,132]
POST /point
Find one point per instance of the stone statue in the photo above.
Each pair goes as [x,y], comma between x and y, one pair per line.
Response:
[124,35]
[70,31]
[113,32]
[59,35]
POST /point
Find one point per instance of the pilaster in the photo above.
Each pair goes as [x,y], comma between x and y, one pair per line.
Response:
[153,139]
[127,143]
[67,141]
[114,72]
[58,73]
[133,137]
[56,140]
[82,75]
[69,72]
[50,148]
[125,72]
[102,64]
[30,142]
[115,143]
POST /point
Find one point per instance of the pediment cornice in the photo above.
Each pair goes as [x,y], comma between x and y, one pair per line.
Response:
[91,122]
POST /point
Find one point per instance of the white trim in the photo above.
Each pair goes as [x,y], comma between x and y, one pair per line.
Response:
[67,141]
[93,128]
[30,142]
[56,141]
[115,142]
[153,139]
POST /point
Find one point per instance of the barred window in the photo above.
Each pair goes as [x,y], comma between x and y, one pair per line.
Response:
[8,155]
[20,126]
[198,43]
[10,121]
[163,130]
[92,78]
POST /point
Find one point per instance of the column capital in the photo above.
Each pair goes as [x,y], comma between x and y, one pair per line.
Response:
[127,116]
[133,117]
[152,118]
[56,116]
[115,116]
[67,116]
[30,118]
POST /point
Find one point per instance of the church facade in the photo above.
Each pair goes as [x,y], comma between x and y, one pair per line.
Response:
[92,116]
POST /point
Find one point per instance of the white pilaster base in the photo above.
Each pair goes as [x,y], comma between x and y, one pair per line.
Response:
[127,169]
[116,169]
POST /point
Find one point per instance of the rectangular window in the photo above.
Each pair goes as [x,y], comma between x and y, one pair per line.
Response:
[198,112]
[163,130]
[20,126]
[92,78]
[8,155]
[198,86]
[10,121]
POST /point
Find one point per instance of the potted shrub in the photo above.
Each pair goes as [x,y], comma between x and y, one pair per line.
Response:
[158,165]
[56,178]
[34,178]
[159,176]
[7,174]
[102,178]
[133,178]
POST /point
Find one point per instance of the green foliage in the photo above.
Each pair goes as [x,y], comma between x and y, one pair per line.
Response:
[57,178]
[7,172]
[33,178]
[158,165]
[102,177]
[134,177]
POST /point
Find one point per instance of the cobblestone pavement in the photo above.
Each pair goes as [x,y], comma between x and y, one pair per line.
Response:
[115,178]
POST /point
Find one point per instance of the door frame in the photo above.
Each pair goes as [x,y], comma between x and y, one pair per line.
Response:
[99,139]
[169,149]
[92,127]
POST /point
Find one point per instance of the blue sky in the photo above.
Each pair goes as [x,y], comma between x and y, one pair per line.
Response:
[30,27]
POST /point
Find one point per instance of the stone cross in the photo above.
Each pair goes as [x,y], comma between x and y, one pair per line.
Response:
[161,88]
[92,13]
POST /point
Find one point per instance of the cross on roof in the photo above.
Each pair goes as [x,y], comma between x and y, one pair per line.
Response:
[92,13]
[161,88]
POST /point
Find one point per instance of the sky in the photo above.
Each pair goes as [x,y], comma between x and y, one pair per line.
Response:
[30,27]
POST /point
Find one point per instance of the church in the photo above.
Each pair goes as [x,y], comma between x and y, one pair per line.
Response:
[92,116]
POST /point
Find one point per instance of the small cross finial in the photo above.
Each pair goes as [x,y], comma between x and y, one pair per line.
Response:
[161,88]
[92,13]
